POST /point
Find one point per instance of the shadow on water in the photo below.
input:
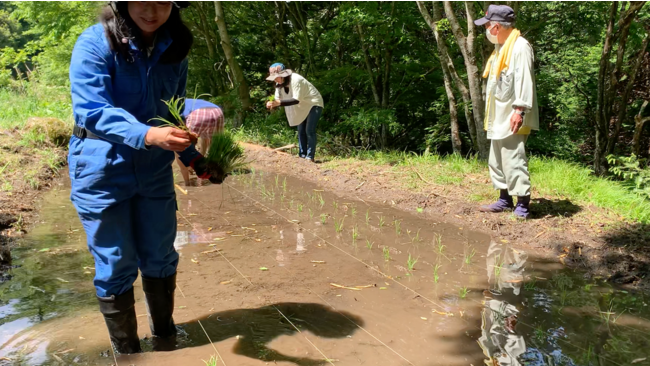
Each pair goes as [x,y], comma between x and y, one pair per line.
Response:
[256,328]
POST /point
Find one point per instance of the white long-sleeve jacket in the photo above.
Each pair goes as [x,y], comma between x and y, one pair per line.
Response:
[515,87]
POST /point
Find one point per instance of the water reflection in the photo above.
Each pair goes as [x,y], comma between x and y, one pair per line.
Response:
[505,268]
[300,243]
[197,235]
[499,340]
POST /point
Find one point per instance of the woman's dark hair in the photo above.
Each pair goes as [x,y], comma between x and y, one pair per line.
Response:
[119,26]
[285,82]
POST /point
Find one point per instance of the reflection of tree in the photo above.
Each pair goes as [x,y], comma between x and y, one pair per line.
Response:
[49,282]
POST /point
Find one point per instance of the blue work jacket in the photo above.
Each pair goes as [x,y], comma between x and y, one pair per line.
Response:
[116,100]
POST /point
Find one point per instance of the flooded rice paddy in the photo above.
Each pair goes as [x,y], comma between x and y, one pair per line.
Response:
[274,270]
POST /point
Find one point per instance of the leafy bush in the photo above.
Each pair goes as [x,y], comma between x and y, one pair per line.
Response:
[634,171]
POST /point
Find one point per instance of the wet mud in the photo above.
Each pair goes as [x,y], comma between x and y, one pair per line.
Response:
[276,270]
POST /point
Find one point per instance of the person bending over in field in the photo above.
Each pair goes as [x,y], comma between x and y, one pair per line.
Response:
[302,103]
[203,119]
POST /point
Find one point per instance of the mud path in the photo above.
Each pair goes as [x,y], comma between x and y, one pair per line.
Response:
[276,270]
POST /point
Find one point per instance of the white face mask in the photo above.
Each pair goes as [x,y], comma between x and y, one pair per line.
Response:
[490,37]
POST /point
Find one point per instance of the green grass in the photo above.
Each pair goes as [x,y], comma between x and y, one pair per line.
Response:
[355,233]
[410,262]
[552,178]
[212,361]
[338,225]
[436,276]
[35,100]
[386,252]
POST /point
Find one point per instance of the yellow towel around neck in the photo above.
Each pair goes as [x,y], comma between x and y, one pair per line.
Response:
[505,55]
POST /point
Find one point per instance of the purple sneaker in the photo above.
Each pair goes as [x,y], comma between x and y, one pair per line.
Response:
[522,209]
[504,203]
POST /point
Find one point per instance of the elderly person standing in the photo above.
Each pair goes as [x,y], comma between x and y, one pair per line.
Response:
[302,103]
[511,109]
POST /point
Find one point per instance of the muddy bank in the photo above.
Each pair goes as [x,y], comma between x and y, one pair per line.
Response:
[618,251]
[28,167]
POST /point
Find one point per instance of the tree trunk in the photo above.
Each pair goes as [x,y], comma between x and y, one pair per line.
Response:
[467,46]
[602,120]
[281,13]
[456,142]
[639,122]
[238,75]
[205,30]
[448,68]
[371,74]
[609,80]
[296,17]
[622,109]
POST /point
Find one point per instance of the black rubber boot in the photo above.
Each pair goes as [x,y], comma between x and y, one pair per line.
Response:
[159,293]
[119,314]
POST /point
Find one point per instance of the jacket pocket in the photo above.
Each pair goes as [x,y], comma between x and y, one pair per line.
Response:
[93,161]
[505,86]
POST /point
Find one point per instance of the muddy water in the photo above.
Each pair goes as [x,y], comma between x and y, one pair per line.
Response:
[275,270]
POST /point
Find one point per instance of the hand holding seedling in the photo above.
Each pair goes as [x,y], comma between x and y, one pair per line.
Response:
[272,104]
[168,138]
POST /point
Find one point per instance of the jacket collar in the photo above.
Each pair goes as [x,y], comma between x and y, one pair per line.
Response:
[162,42]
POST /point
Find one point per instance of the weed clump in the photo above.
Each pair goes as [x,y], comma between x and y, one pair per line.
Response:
[52,130]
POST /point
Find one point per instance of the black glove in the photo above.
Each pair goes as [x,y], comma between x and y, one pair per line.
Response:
[200,166]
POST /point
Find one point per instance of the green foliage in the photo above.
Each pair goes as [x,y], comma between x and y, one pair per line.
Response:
[634,171]
[269,129]
[50,31]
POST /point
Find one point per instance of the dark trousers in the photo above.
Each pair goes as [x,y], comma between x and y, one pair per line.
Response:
[307,133]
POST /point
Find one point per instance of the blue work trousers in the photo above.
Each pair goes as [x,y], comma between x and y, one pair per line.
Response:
[307,133]
[127,205]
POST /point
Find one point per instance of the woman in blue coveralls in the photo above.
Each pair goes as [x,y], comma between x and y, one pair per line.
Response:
[121,163]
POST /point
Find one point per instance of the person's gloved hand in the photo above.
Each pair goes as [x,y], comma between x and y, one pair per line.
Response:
[200,167]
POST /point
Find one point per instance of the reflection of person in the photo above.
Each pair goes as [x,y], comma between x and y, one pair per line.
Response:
[121,165]
[256,328]
[302,103]
[203,119]
[499,341]
[505,267]
[511,109]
